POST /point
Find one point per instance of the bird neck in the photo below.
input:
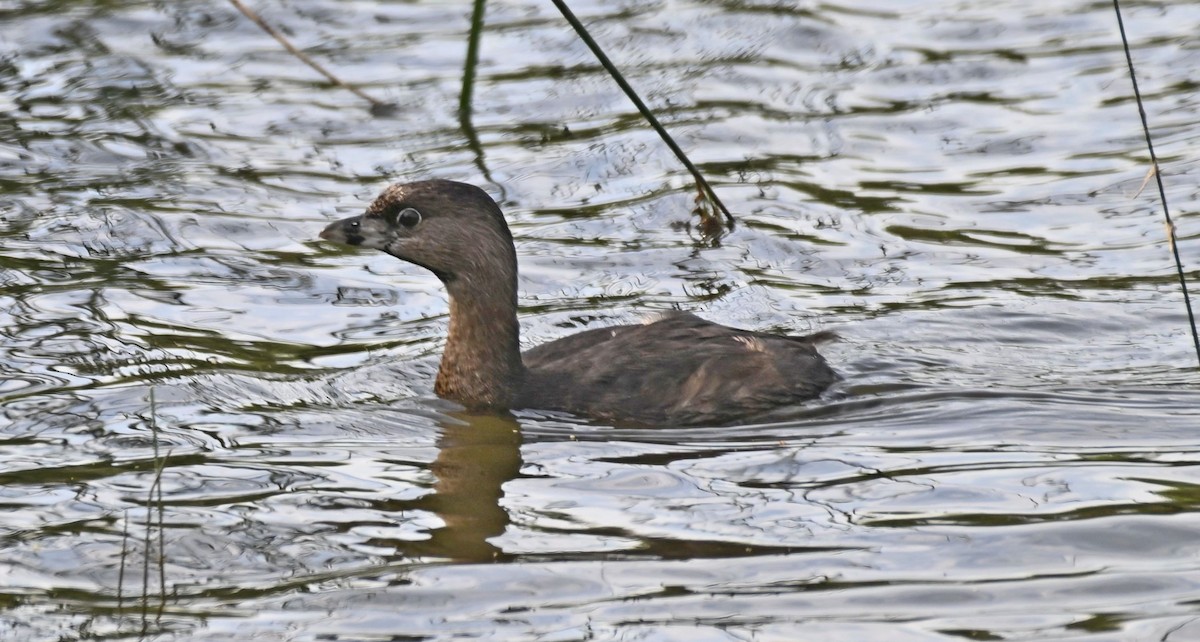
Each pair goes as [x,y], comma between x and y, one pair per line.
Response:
[481,365]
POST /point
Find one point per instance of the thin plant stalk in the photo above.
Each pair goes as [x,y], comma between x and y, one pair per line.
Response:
[1162,192]
[705,188]
[378,107]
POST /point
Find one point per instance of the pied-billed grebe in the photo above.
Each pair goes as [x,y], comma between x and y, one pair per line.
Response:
[678,370]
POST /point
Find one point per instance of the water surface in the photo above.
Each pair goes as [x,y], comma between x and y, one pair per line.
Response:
[953,187]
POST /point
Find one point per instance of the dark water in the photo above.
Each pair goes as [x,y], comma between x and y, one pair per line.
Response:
[951,186]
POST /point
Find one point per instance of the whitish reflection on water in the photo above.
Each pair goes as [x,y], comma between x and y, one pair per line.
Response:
[952,187]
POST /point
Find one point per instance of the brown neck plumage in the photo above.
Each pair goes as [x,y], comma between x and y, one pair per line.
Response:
[481,366]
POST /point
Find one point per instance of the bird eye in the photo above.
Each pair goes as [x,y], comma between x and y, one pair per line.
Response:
[408,217]
[354,224]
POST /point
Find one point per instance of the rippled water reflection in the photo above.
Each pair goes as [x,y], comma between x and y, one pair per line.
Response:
[951,186]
